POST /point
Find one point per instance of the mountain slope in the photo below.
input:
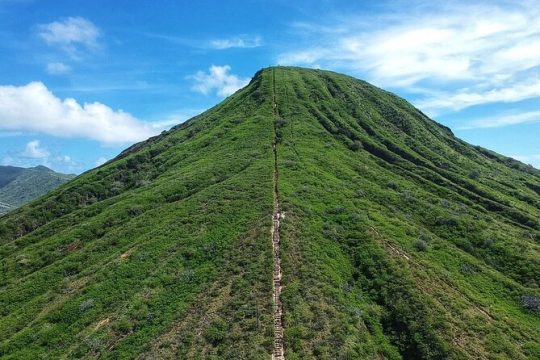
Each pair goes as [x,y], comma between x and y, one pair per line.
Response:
[19,186]
[394,225]
[375,231]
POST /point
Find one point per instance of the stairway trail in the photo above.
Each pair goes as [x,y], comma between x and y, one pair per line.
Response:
[278,351]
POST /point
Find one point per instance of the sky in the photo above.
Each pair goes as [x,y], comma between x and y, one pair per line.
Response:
[82,80]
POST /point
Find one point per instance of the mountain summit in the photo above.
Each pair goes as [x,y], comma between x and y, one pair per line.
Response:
[309,215]
[19,186]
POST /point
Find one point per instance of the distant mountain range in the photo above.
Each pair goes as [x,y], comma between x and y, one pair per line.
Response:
[19,186]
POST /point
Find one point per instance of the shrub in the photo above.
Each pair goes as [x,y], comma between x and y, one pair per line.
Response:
[530,302]
[425,238]
[86,304]
[468,269]
[280,122]
[357,145]
[446,221]
[474,174]
[407,195]
[142,182]
[392,185]
[123,325]
[487,243]
[340,209]
[216,332]
[135,210]
[420,245]
[289,163]
[93,343]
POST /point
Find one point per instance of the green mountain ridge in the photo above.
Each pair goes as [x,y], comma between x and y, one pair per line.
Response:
[19,186]
[395,239]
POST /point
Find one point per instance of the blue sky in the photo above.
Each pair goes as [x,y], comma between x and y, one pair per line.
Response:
[82,80]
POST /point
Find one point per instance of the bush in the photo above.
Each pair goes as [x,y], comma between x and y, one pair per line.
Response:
[216,332]
[392,185]
[441,221]
[487,243]
[123,325]
[407,195]
[340,209]
[420,245]
[135,210]
[425,238]
[280,122]
[357,145]
[475,175]
[86,304]
[468,269]
[530,302]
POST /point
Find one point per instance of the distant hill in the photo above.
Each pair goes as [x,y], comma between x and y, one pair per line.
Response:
[309,213]
[19,186]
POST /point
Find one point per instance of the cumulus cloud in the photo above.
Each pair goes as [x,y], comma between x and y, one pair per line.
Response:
[242,41]
[66,159]
[58,68]
[70,34]
[33,150]
[33,107]
[465,98]
[484,52]
[100,161]
[34,153]
[504,120]
[218,79]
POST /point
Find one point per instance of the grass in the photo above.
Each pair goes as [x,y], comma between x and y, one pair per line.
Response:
[399,240]
[19,186]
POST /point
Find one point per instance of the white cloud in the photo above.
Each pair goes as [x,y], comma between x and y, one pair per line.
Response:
[503,120]
[100,161]
[58,68]
[165,121]
[533,159]
[65,162]
[236,42]
[494,46]
[34,154]
[33,150]
[34,108]
[218,79]
[465,98]
[69,34]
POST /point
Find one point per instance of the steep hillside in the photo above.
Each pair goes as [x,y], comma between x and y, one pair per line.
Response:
[309,213]
[19,186]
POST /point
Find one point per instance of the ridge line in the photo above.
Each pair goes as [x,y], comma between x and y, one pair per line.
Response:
[278,352]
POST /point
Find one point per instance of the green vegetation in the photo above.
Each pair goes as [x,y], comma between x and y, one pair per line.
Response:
[398,240]
[19,186]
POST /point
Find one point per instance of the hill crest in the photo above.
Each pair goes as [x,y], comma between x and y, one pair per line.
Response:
[396,239]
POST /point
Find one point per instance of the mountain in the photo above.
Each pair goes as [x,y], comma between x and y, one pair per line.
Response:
[19,186]
[310,213]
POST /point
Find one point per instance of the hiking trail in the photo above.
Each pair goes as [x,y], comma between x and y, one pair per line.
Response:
[278,352]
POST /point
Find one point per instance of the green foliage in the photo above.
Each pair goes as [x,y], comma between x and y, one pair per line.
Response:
[19,186]
[420,245]
[530,302]
[416,223]
[390,248]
